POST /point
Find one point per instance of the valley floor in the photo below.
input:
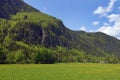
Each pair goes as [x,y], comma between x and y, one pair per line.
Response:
[70,71]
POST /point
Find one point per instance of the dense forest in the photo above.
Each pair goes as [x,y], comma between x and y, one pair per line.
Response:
[30,36]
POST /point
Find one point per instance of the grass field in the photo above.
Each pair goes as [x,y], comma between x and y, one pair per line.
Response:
[71,71]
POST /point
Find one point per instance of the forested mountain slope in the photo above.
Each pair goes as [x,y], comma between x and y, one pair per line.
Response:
[29,36]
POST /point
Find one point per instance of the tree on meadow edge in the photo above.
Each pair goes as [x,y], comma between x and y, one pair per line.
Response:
[2,56]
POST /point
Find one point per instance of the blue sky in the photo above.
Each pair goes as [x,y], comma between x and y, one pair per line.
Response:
[87,15]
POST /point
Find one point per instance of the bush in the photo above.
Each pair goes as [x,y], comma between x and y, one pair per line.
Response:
[44,56]
[10,58]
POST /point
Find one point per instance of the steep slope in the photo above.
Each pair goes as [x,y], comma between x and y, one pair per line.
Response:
[40,29]
[103,42]
[9,7]
[23,27]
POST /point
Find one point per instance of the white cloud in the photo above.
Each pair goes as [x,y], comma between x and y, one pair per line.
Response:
[114,17]
[102,11]
[119,8]
[110,6]
[83,28]
[106,24]
[113,30]
[95,23]
[113,26]
[91,31]
[44,9]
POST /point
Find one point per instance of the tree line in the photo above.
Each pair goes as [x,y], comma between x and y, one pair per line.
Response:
[42,55]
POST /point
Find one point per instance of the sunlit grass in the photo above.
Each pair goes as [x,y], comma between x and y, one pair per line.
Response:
[71,71]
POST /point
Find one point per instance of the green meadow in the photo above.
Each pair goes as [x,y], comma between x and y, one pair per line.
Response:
[70,71]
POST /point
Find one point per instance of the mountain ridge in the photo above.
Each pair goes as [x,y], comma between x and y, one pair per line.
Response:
[13,6]
[22,26]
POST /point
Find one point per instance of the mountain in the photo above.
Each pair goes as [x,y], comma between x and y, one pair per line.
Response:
[25,32]
[9,7]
